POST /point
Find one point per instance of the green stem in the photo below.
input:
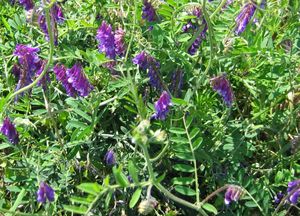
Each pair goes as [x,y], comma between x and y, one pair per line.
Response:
[179,200]
[162,188]
[223,2]
[194,162]
[261,210]
[163,151]
[51,51]
[50,113]
[132,33]
[149,165]
[210,34]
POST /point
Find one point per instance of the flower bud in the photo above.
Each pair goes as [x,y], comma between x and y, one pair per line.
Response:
[147,206]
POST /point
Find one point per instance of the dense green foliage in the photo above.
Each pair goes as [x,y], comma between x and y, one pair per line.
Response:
[200,147]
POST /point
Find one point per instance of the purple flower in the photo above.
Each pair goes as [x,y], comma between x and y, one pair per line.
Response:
[147,62]
[8,129]
[176,82]
[110,158]
[56,16]
[61,75]
[106,40]
[29,64]
[244,18]
[141,60]
[28,4]
[293,192]
[46,78]
[162,106]
[278,198]
[27,55]
[191,25]
[78,80]
[120,47]
[221,85]
[233,193]
[44,193]
[263,4]
[148,11]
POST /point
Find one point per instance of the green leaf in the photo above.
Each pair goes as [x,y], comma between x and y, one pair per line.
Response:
[184,156]
[250,204]
[185,190]
[91,188]
[194,133]
[120,177]
[177,130]
[135,197]
[5,145]
[179,140]
[210,208]
[81,200]
[108,199]
[182,180]
[179,102]
[18,201]
[183,168]
[75,209]
[133,172]
[83,114]
[197,143]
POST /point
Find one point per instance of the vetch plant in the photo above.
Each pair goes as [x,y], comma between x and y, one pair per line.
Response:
[139,129]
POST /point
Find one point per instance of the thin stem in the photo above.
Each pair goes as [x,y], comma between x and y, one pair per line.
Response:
[132,33]
[261,210]
[179,200]
[162,188]
[221,5]
[103,103]
[162,153]
[214,194]
[149,165]
[194,162]
[210,34]
[48,108]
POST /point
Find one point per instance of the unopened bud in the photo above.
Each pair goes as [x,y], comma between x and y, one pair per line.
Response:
[147,206]
[159,136]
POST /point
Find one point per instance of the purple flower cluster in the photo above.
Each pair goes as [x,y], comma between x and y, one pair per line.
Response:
[111,43]
[56,16]
[29,66]
[244,18]
[293,192]
[221,85]
[201,23]
[44,193]
[278,198]
[8,129]
[110,158]
[120,47]
[27,4]
[106,39]
[73,80]
[148,11]
[147,62]
[233,193]
[162,106]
